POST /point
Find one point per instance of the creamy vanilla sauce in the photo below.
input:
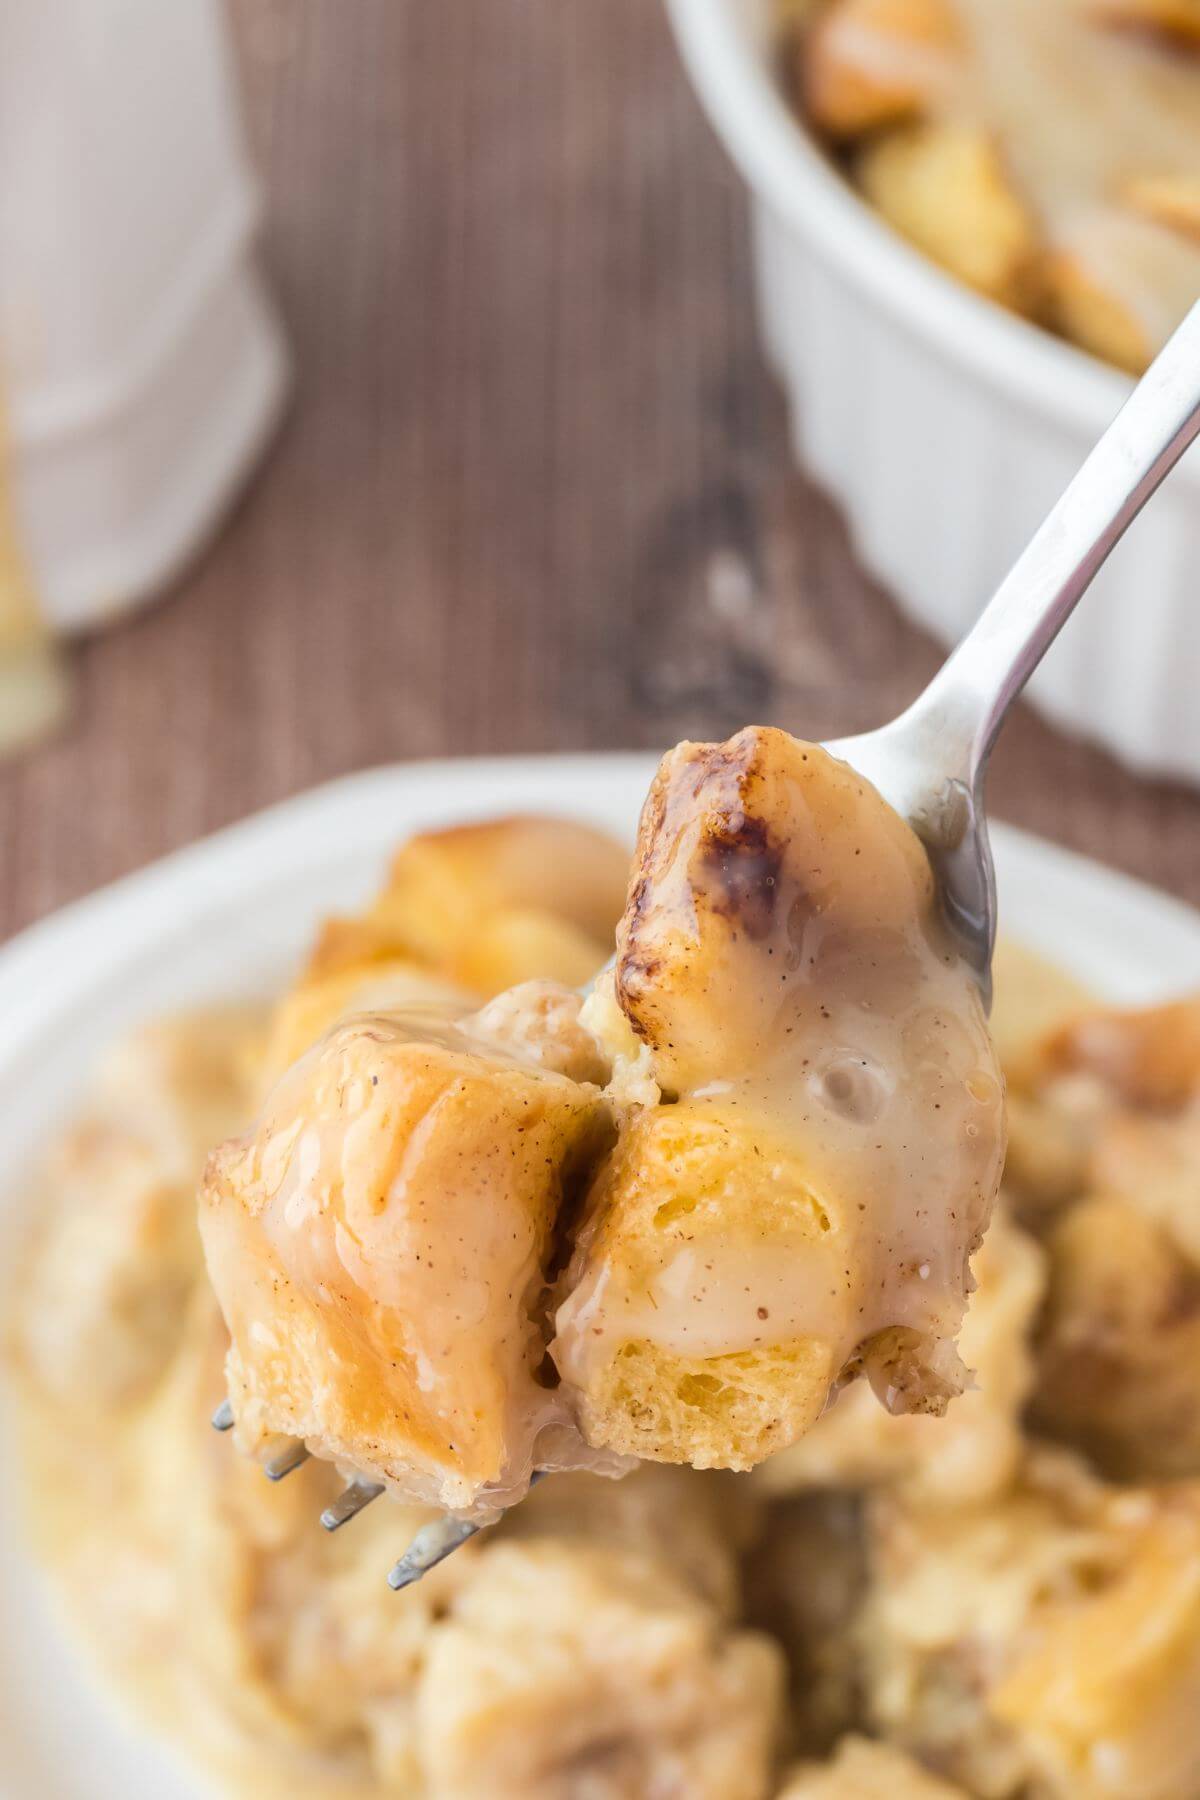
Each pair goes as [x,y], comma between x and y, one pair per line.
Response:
[843,1029]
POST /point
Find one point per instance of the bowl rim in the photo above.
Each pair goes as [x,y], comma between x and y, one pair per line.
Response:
[785,169]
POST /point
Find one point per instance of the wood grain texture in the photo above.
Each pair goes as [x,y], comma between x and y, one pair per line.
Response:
[534,491]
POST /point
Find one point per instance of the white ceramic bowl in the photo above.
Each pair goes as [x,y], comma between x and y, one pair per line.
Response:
[228,918]
[945,426]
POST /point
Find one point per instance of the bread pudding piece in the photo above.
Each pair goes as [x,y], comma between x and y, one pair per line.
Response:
[1077,1088]
[565,1671]
[974,1451]
[870,63]
[1047,1644]
[429,1177]
[802,1202]
[1119,1346]
[1119,1350]
[1043,151]
[116,1252]
[466,912]
[700,1525]
[1031,999]
[545,1663]
[946,188]
[490,905]
[300,1671]
[319,1001]
[1105,1163]
[1144,1057]
[529,1665]
[862,1770]
[293,1667]
[396,1208]
[380,1244]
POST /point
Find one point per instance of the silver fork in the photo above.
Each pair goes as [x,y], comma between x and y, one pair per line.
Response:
[930,764]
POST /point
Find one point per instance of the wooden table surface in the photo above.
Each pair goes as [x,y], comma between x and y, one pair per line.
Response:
[534,490]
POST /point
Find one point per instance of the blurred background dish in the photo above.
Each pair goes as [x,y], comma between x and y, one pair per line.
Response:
[942,424]
[1046,152]
[534,489]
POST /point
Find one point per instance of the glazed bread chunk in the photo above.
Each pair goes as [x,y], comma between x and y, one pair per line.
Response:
[802,1201]
[808,1126]
[379,1245]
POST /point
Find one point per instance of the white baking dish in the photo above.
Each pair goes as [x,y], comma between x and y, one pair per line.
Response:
[945,426]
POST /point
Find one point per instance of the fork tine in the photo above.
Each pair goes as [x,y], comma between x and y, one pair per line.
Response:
[436,1541]
[350,1503]
[285,1461]
[222,1419]
[432,1545]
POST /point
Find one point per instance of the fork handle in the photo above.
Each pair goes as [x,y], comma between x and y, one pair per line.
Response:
[967,700]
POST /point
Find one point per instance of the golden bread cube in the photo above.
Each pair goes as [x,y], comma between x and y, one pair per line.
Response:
[379,1245]
[1077,1125]
[1031,998]
[1171,200]
[1119,1347]
[945,188]
[450,894]
[1086,308]
[320,1001]
[1145,1056]
[1049,1153]
[1153,1161]
[760,863]
[568,1668]
[690,1337]
[1117,280]
[517,945]
[867,63]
